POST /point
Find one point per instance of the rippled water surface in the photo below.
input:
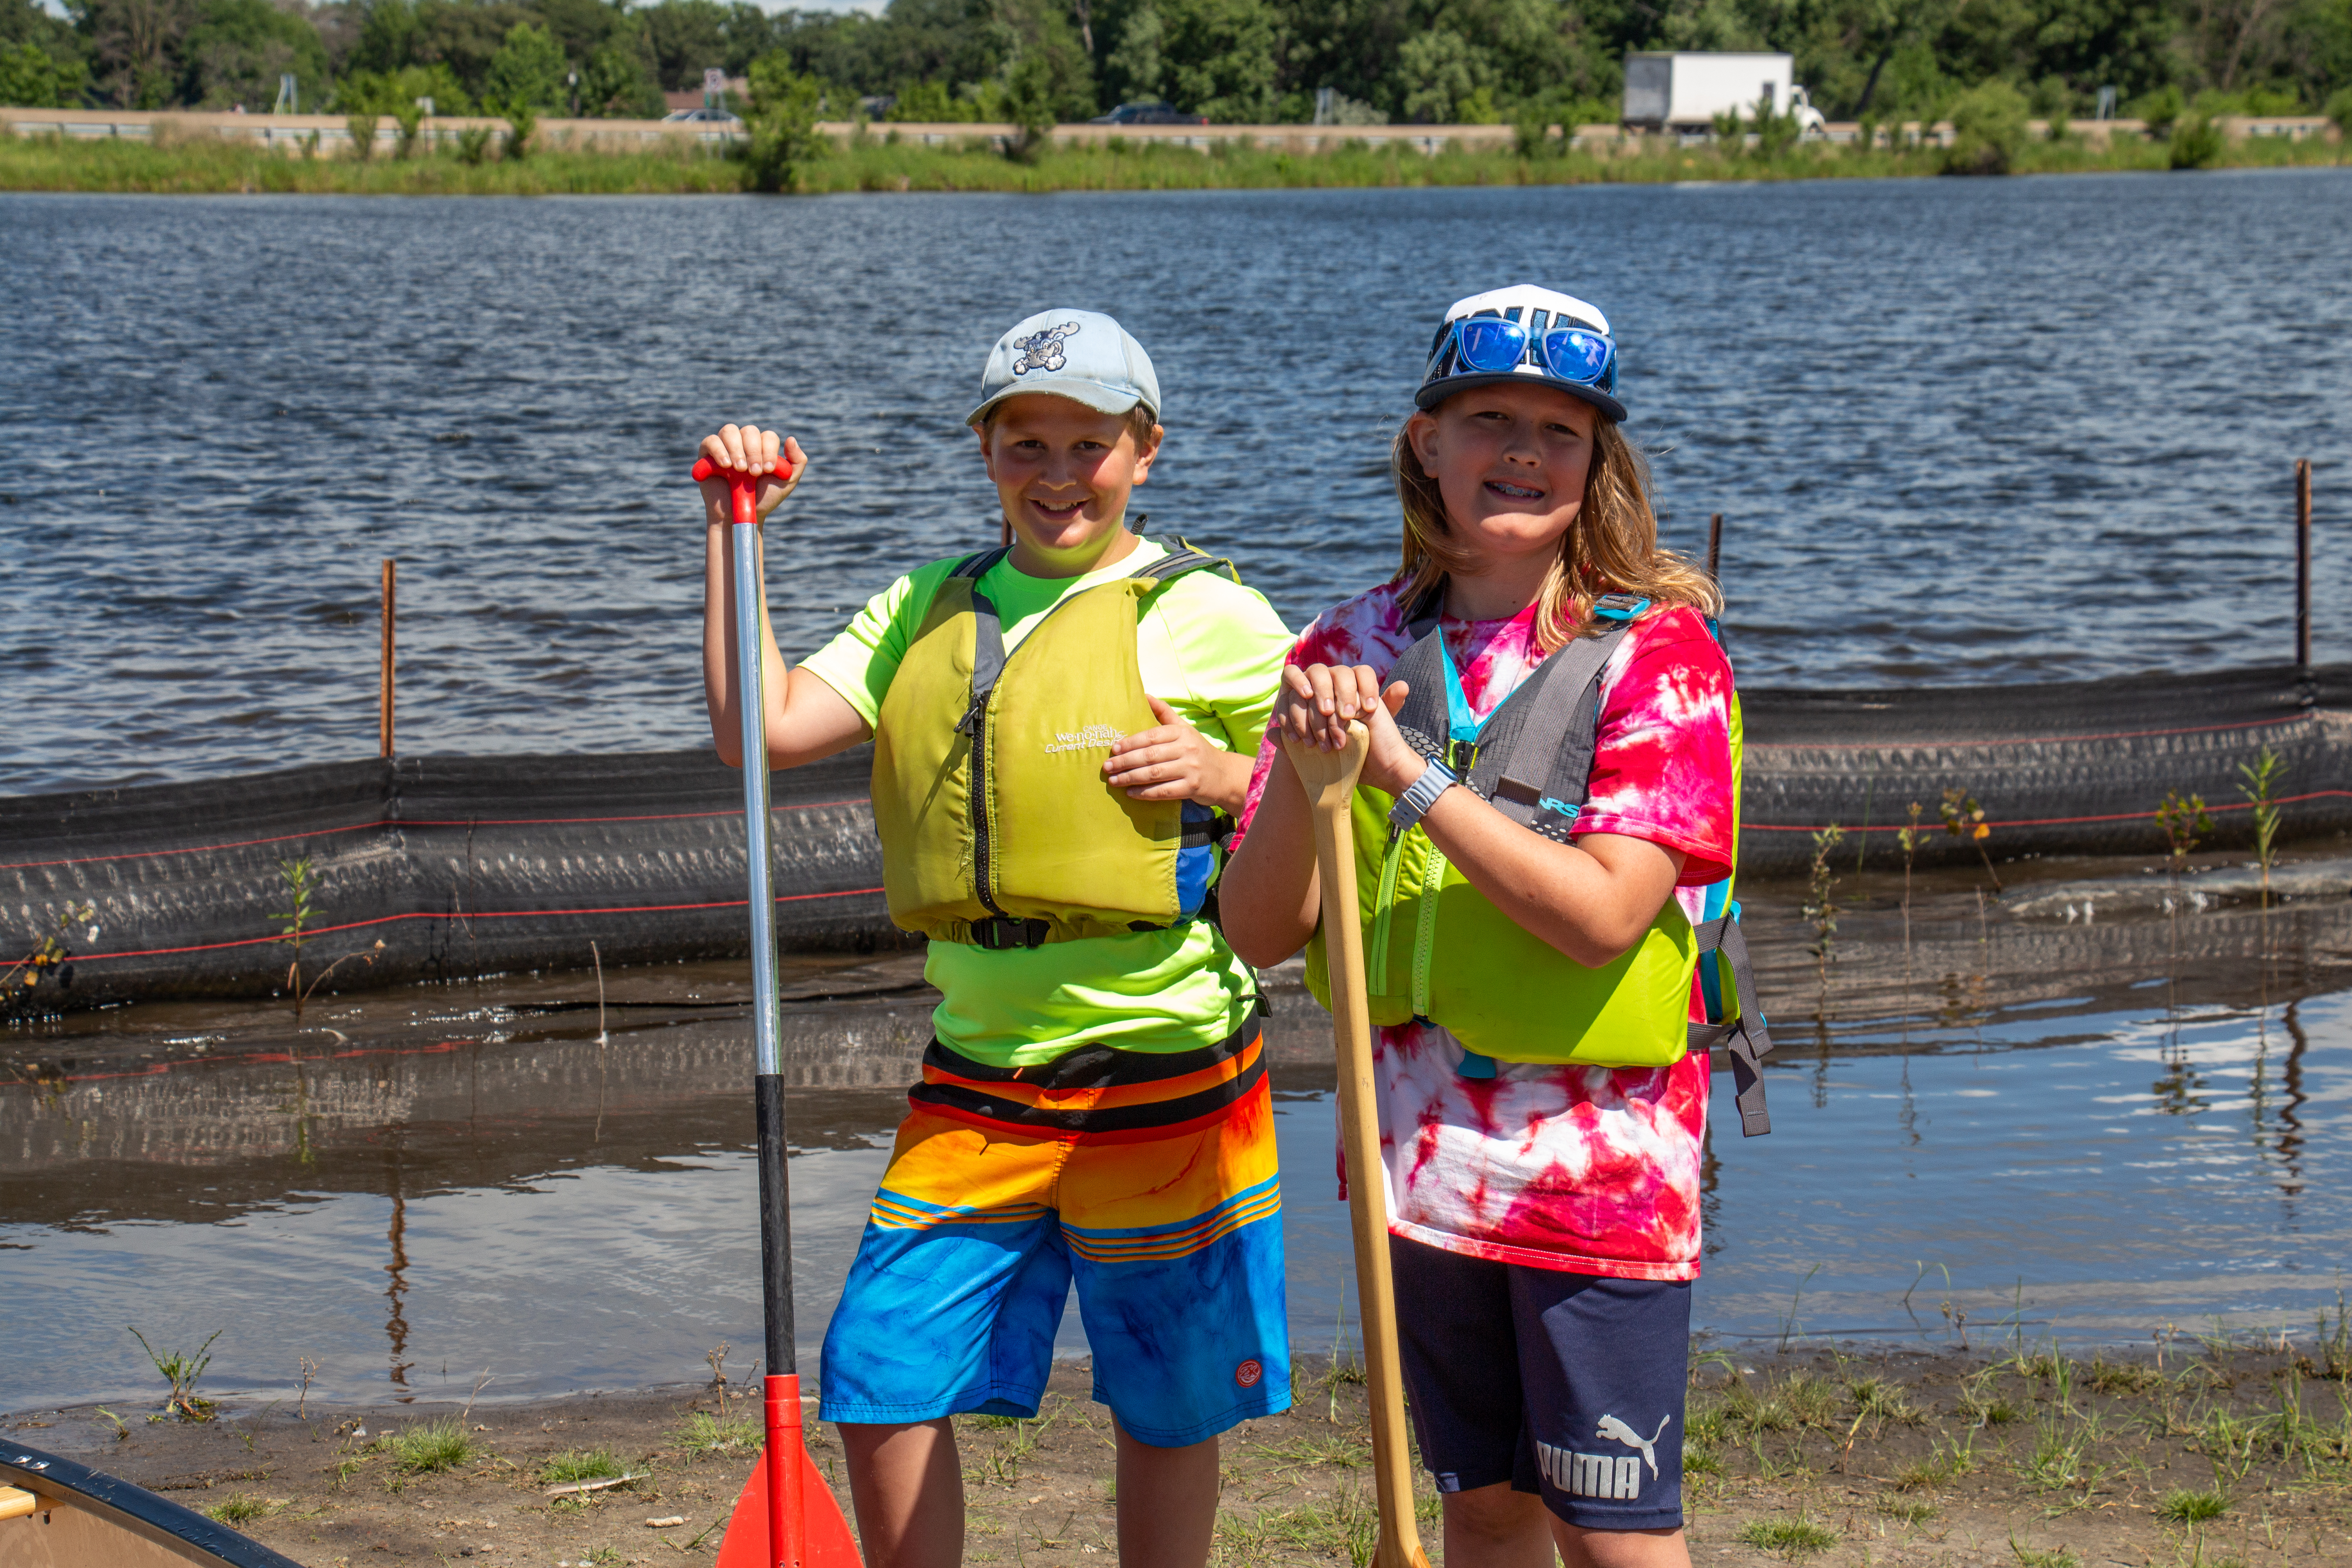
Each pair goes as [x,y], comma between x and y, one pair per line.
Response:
[1963,430]
[2018,1129]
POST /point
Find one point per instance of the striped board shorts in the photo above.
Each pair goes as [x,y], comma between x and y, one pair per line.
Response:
[1146,1180]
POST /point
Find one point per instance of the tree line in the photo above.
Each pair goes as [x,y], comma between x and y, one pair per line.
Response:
[1242,61]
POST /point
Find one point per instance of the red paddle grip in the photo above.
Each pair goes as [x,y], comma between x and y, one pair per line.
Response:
[742,488]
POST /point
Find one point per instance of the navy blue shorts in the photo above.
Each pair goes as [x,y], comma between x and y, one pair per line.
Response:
[1569,1385]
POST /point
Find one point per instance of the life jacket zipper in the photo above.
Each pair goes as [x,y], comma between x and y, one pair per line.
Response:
[976,723]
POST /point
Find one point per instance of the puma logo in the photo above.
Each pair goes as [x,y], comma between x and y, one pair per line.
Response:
[1612,1427]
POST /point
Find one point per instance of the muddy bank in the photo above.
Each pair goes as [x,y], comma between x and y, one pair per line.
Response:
[2213,1454]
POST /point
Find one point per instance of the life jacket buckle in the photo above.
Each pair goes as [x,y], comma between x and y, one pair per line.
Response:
[1001,933]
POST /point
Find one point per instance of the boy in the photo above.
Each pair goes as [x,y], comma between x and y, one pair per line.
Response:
[1058,724]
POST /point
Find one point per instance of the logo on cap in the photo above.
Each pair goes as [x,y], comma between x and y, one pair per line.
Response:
[1043,351]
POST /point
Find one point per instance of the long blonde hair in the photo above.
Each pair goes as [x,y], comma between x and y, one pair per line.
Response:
[1611,548]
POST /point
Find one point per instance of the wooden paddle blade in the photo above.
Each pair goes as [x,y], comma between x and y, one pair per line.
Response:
[1329,776]
[830,1545]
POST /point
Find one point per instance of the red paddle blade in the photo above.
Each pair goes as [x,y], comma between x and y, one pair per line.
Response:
[829,1542]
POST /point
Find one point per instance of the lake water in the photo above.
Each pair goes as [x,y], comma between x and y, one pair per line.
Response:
[1962,431]
[2013,1129]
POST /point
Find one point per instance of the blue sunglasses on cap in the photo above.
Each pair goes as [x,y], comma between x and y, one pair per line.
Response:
[1496,344]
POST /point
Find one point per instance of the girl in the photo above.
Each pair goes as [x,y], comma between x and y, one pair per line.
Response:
[1543,1197]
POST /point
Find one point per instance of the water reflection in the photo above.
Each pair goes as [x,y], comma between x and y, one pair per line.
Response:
[2049,1128]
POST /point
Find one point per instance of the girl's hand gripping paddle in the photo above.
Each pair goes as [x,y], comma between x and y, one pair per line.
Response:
[787,1517]
[1330,781]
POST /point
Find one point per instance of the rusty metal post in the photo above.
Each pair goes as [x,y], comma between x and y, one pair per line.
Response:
[383,677]
[2303,565]
[1714,545]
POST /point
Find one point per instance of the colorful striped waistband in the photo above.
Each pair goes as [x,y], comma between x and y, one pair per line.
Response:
[1096,1089]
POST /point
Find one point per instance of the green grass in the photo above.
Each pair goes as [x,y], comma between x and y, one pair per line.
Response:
[1348,1525]
[442,1444]
[1789,1537]
[1876,1399]
[1907,1511]
[1315,1451]
[2039,1557]
[2192,1508]
[706,1434]
[203,163]
[579,1464]
[240,1508]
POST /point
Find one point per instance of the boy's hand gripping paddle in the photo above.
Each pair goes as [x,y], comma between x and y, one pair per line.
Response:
[1330,781]
[787,1517]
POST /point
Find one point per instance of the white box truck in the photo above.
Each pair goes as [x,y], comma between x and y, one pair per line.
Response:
[1687,91]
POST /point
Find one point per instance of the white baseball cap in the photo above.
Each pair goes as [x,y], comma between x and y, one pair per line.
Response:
[1082,355]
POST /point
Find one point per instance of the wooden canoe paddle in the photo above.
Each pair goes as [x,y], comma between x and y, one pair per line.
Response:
[1330,781]
[787,1517]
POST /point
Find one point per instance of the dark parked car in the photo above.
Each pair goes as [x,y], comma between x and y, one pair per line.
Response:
[1149,113]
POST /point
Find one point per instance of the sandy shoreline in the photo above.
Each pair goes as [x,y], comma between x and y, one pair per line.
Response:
[2026,1459]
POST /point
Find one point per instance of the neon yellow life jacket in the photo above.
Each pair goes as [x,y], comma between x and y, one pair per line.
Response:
[997,826]
[1436,949]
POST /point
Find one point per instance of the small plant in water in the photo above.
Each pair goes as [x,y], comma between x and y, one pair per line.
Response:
[1964,818]
[1821,890]
[180,1370]
[294,926]
[19,981]
[2260,789]
[2185,825]
[442,1444]
[1909,838]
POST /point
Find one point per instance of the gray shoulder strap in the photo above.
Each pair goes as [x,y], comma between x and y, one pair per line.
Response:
[1536,756]
[987,633]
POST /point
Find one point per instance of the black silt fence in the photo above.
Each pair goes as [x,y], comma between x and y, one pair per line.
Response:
[466,867]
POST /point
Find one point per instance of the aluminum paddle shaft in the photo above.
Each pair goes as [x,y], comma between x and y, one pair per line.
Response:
[1330,781]
[779,1496]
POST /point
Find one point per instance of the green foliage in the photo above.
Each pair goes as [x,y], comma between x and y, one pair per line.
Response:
[522,119]
[32,77]
[1798,1537]
[2197,143]
[706,1434]
[617,83]
[240,1508]
[361,129]
[1029,102]
[579,1465]
[782,116]
[402,95]
[1988,129]
[2159,109]
[527,73]
[2183,1507]
[442,1444]
[2339,110]
[2261,790]
[2185,825]
[473,145]
[237,50]
[180,1370]
[1218,57]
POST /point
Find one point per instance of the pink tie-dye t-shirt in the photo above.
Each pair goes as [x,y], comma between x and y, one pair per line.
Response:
[1590,1170]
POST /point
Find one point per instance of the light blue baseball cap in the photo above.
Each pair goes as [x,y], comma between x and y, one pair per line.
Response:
[1082,355]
